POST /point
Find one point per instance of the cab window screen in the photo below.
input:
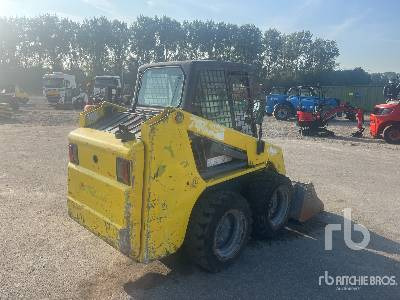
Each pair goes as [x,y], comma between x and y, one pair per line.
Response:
[223,97]
[161,87]
[212,97]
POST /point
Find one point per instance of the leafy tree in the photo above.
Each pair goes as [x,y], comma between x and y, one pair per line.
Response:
[143,39]
[98,45]
[11,35]
[118,47]
[94,39]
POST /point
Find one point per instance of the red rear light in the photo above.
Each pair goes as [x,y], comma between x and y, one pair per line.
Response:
[73,153]
[124,171]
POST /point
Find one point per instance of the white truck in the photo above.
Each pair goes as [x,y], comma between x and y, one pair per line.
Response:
[109,87]
[59,88]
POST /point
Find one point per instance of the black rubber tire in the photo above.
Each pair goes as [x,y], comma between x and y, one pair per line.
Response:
[283,112]
[351,117]
[260,192]
[388,134]
[199,243]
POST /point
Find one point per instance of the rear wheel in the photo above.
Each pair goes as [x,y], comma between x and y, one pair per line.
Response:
[270,197]
[391,134]
[282,112]
[218,230]
[351,116]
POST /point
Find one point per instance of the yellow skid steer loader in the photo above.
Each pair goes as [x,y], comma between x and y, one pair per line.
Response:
[185,166]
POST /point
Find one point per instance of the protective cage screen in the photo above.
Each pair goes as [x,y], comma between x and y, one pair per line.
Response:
[223,97]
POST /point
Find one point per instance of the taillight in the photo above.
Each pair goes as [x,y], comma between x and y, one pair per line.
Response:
[73,153]
[124,171]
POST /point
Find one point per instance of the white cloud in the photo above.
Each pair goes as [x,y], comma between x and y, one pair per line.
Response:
[11,8]
[293,17]
[347,24]
[106,8]
[337,29]
[103,5]
[150,3]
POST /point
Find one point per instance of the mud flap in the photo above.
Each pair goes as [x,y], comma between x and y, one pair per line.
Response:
[305,202]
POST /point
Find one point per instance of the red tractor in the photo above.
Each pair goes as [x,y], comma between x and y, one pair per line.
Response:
[314,123]
[385,122]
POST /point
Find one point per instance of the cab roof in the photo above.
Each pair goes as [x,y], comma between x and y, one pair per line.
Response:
[202,64]
[107,76]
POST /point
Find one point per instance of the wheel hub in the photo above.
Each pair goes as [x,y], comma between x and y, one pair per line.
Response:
[282,113]
[229,234]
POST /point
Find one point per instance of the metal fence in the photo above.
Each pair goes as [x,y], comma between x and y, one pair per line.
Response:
[364,96]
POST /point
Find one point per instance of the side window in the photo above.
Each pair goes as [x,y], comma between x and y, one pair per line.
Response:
[239,85]
[212,97]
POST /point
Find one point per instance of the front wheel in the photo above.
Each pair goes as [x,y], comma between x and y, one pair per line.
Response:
[351,116]
[282,112]
[391,134]
[218,230]
[270,198]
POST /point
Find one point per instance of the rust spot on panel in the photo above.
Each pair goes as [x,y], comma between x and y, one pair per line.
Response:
[124,234]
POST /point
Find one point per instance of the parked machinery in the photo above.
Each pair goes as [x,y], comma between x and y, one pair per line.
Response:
[184,167]
[307,98]
[108,87]
[59,88]
[11,98]
[391,91]
[385,122]
[315,123]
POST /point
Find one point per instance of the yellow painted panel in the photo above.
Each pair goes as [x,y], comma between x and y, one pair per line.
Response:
[94,222]
[172,183]
[171,187]
[150,218]
[112,209]
[107,197]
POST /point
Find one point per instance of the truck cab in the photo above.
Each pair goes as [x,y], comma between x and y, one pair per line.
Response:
[59,88]
[385,121]
[109,87]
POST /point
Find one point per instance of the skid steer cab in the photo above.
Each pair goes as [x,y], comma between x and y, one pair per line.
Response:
[185,167]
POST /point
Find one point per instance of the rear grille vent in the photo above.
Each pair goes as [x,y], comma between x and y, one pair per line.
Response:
[132,120]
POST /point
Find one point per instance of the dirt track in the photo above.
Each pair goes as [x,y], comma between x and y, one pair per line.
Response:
[44,254]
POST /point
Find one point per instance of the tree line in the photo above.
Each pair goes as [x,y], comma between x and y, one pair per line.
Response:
[31,46]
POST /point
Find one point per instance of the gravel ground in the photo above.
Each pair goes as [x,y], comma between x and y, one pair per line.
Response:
[44,254]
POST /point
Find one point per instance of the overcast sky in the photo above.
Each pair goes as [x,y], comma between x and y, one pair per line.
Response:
[367,31]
